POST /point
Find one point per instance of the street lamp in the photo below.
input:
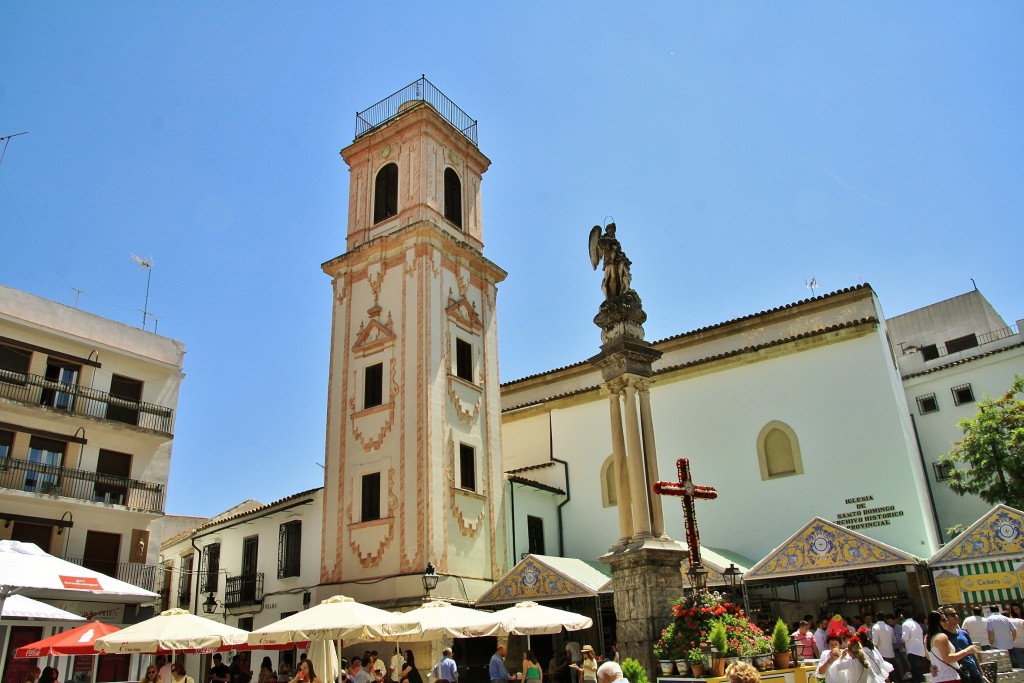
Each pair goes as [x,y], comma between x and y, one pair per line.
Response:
[698,577]
[732,575]
[210,606]
[430,578]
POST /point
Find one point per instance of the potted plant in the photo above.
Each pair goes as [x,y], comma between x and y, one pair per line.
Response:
[720,644]
[695,658]
[763,653]
[664,649]
[780,644]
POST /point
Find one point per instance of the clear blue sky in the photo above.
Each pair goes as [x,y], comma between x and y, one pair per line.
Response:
[740,147]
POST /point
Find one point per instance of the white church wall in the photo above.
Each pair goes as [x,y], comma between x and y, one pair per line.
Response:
[840,401]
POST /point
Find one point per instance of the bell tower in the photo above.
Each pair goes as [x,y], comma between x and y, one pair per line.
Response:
[413,459]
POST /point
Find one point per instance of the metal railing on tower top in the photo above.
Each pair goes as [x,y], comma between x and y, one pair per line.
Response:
[422,90]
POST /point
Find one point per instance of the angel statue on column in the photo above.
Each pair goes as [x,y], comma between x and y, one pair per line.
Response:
[617,277]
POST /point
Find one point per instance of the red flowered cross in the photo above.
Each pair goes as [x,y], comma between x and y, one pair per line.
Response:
[688,491]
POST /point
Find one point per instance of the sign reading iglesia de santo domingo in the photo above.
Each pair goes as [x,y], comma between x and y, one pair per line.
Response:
[865,514]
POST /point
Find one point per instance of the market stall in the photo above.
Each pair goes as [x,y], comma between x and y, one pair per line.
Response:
[827,567]
[985,563]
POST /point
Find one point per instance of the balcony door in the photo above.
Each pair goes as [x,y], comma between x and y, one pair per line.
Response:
[125,396]
[63,373]
[101,552]
[250,552]
[46,457]
[113,470]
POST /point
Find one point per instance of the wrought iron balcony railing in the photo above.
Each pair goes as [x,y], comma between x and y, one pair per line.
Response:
[422,90]
[135,573]
[243,590]
[54,480]
[37,390]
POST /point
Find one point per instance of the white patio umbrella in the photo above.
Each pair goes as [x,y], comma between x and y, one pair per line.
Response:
[26,570]
[533,619]
[336,618]
[439,618]
[324,656]
[18,606]
[174,630]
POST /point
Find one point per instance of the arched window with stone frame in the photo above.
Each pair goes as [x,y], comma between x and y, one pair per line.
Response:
[778,451]
[453,197]
[609,490]
[385,193]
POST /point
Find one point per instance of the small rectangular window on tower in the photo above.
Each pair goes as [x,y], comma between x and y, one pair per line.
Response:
[467,467]
[463,359]
[962,393]
[370,504]
[927,404]
[373,385]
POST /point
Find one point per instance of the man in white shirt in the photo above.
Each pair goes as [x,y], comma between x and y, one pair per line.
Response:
[913,640]
[1000,631]
[884,639]
[821,635]
[397,664]
[976,628]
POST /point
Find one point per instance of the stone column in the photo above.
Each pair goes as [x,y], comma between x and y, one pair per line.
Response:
[619,458]
[635,462]
[651,458]
[644,579]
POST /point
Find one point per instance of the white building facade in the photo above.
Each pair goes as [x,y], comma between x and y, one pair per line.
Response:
[87,410]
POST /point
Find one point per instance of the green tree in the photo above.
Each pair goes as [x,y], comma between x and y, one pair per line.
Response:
[992,449]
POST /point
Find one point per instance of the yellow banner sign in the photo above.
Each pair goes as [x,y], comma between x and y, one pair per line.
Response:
[989,582]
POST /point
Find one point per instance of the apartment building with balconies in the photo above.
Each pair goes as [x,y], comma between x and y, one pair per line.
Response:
[87,410]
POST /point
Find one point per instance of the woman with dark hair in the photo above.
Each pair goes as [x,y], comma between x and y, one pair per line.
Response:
[49,675]
[531,668]
[945,659]
[410,672]
[306,673]
[267,674]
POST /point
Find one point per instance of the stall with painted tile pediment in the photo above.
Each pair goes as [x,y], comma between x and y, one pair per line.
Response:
[825,566]
[985,563]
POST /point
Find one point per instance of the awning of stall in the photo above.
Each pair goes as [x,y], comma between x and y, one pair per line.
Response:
[716,561]
[985,563]
[542,577]
[823,547]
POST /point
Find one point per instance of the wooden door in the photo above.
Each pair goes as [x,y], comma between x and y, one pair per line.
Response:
[102,551]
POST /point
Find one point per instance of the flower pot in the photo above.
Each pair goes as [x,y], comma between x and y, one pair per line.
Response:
[747,660]
[763,662]
[666,666]
[683,667]
[698,670]
[781,660]
[718,667]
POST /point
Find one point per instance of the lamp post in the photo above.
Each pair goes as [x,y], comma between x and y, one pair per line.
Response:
[430,578]
[210,607]
[698,577]
[732,575]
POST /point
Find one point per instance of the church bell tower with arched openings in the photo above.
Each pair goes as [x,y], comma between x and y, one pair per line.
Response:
[413,469]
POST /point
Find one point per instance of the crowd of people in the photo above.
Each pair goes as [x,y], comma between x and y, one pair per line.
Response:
[892,648]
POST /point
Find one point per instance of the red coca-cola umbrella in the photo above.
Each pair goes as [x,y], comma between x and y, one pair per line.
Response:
[77,641]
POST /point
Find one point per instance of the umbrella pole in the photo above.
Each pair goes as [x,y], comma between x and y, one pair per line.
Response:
[95,669]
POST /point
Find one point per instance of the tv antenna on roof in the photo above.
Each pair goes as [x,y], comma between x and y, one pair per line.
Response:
[146,263]
[7,140]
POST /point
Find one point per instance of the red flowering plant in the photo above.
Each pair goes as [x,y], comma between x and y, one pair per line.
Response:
[697,614]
